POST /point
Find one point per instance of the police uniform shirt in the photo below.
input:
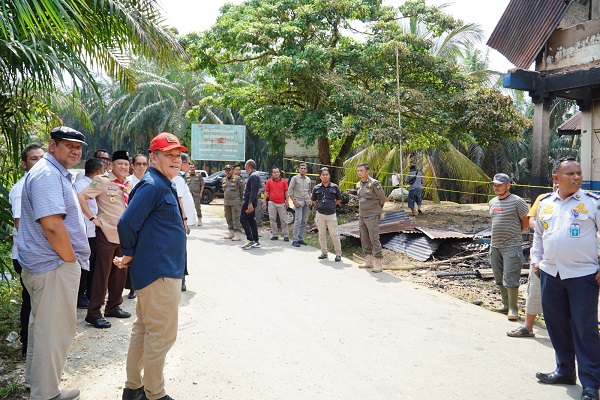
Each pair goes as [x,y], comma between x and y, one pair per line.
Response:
[233,190]
[326,196]
[565,235]
[371,197]
[111,203]
[195,183]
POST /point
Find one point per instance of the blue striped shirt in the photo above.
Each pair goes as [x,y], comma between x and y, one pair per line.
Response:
[49,190]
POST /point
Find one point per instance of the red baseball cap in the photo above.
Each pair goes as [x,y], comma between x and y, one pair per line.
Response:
[166,141]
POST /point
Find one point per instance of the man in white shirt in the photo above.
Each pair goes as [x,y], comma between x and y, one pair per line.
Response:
[93,167]
[29,157]
[186,201]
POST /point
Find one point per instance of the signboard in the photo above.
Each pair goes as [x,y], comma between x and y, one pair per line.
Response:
[297,148]
[218,142]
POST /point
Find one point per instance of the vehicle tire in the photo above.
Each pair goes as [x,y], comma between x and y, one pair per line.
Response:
[207,196]
[289,216]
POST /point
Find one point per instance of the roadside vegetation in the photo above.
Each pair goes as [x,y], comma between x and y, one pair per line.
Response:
[364,81]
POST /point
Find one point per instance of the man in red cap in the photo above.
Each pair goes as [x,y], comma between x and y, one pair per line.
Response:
[112,196]
[153,241]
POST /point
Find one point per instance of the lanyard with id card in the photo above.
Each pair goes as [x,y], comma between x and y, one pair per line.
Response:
[574,226]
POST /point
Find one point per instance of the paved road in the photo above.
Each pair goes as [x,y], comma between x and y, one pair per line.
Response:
[277,323]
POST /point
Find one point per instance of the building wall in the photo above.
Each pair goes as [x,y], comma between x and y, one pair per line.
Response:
[590,147]
[576,41]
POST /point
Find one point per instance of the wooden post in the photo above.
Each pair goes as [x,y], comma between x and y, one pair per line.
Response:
[540,148]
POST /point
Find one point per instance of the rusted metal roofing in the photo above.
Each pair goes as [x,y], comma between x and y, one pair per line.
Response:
[393,221]
[433,233]
[572,126]
[525,27]
[416,247]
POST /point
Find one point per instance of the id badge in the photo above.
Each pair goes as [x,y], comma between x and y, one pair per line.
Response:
[574,230]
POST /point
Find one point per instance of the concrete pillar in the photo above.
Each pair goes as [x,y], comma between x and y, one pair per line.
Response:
[540,148]
[590,122]
[589,146]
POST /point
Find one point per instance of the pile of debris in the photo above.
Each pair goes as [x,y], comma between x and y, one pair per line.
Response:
[468,251]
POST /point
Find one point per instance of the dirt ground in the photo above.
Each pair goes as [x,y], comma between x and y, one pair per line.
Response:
[449,258]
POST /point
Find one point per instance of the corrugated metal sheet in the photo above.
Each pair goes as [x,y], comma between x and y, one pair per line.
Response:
[525,27]
[394,221]
[433,233]
[572,126]
[416,247]
[483,234]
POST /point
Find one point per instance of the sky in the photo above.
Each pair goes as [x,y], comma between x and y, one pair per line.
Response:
[189,16]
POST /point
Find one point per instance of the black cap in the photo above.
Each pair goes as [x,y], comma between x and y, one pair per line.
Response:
[120,155]
[66,133]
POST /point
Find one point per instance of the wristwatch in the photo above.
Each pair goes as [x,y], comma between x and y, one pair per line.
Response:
[93,217]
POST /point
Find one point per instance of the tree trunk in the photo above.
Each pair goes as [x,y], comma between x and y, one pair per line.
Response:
[343,155]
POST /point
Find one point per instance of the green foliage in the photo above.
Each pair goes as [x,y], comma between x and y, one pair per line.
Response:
[324,70]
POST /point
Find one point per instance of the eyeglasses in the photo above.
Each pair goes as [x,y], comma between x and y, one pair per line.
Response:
[104,159]
[141,164]
[185,162]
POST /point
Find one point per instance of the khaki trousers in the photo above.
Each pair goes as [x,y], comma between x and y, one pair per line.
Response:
[53,322]
[274,211]
[369,235]
[324,223]
[232,216]
[152,335]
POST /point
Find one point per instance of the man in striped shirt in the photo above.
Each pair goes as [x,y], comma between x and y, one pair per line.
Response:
[509,218]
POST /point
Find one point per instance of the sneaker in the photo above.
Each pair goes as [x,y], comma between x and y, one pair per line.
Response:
[67,394]
[322,256]
[338,258]
[274,238]
[286,239]
[302,242]
[132,394]
[295,244]
[256,245]
[248,245]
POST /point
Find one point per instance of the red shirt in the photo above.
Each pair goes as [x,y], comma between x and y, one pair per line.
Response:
[276,190]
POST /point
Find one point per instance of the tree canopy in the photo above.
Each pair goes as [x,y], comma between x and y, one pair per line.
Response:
[325,70]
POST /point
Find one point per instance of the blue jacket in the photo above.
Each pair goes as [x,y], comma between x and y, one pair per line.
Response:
[151,231]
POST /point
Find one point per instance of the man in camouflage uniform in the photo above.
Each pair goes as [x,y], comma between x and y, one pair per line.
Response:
[233,192]
[196,184]
[371,199]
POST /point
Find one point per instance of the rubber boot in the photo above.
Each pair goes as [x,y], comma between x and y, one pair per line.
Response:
[236,237]
[504,308]
[378,267]
[230,235]
[513,303]
[368,262]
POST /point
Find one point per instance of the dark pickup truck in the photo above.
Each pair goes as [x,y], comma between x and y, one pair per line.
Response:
[213,185]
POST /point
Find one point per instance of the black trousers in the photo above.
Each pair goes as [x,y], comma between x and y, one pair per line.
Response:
[89,277]
[248,221]
[25,309]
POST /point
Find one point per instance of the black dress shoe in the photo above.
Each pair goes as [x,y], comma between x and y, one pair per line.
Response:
[322,256]
[118,314]
[589,394]
[302,242]
[274,238]
[133,394]
[99,323]
[295,244]
[83,303]
[132,294]
[338,258]
[555,378]
[286,239]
